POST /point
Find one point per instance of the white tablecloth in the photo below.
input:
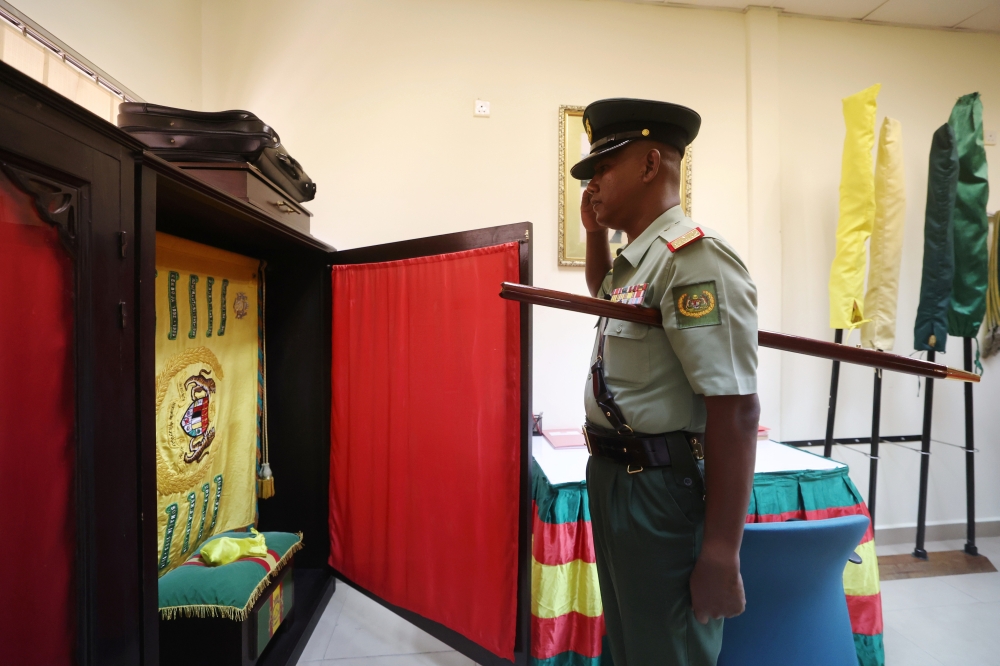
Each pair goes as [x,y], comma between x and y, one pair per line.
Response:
[570,465]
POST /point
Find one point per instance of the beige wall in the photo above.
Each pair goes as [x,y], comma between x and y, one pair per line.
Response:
[375,99]
[154,48]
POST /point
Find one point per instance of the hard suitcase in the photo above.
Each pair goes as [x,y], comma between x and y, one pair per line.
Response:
[179,134]
[245,181]
[285,172]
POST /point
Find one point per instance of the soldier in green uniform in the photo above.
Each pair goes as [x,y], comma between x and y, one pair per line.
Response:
[672,411]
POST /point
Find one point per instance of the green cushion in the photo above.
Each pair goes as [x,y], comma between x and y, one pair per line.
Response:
[230,591]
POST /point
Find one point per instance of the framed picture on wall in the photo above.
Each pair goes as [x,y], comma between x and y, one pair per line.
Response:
[574,146]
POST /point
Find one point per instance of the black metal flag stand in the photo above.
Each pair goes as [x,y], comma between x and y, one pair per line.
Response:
[970,462]
[925,459]
[970,459]
[876,437]
[873,456]
[925,445]
[831,408]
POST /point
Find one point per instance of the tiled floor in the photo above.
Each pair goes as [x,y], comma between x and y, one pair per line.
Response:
[356,631]
[946,620]
[943,621]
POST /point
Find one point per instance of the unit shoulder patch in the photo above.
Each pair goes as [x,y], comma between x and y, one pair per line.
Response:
[696,305]
[686,238]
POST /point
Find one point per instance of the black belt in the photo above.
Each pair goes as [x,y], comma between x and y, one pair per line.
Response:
[640,451]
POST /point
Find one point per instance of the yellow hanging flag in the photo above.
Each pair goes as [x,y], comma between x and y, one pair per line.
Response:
[886,245]
[207,414]
[857,210]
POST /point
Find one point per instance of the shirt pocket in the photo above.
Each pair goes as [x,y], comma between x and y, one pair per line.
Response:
[626,354]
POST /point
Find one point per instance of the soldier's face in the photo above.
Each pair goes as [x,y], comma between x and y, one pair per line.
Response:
[616,185]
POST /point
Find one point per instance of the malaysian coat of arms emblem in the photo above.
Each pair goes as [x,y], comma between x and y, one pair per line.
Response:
[697,305]
[196,420]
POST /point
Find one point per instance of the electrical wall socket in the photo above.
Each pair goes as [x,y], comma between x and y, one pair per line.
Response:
[481,109]
[990,137]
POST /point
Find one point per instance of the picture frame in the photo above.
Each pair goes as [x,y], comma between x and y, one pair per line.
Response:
[573,146]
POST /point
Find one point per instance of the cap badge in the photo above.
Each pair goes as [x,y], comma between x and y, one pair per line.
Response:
[590,134]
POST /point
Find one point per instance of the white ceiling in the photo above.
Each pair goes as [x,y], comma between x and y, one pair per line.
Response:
[982,15]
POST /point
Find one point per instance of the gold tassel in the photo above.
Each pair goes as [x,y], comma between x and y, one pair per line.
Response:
[265,482]
[265,479]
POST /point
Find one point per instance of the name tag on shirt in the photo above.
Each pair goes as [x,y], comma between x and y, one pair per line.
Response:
[631,295]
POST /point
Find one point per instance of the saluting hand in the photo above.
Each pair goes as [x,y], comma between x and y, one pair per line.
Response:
[587,214]
[716,587]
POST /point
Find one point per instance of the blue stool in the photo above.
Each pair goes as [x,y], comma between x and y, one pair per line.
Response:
[796,611]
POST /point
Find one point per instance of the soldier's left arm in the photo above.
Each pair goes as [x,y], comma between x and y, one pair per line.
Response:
[710,315]
[730,451]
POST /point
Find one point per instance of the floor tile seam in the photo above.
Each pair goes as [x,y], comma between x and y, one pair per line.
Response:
[974,602]
[899,635]
[949,585]
[317,633]
[962,591]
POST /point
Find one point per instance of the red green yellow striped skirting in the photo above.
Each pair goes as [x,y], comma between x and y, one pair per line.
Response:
[567,623]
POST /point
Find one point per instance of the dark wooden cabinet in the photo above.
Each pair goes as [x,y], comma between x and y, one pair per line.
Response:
[117,196]
[81,172]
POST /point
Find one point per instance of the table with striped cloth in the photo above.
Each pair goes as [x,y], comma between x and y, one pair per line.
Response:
[567,615]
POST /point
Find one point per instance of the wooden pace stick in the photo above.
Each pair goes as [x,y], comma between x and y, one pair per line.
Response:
[781,341]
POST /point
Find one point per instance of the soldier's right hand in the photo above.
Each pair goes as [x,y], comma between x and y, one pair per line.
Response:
[587,214]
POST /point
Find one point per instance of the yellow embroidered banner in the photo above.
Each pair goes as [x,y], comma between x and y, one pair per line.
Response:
[207,414]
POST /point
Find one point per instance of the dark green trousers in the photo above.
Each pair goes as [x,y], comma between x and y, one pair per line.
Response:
[647,534]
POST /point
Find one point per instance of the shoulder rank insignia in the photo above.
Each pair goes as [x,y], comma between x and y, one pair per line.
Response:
[685,239]
[632,295]
[697,305]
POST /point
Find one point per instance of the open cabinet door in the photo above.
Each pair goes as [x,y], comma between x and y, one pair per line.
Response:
[430,422]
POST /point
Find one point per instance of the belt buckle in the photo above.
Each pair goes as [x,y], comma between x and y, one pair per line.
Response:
[586,438]
[628,468]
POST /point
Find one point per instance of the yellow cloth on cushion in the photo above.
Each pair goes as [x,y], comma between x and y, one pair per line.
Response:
[857,210]
[224,550]
[886,245]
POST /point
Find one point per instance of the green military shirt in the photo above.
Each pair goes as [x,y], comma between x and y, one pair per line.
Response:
[708,342]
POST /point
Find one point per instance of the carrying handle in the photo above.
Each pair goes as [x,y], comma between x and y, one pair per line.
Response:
[283,206]
[289,164]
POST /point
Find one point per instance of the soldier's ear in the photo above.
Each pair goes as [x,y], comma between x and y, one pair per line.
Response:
[651,165]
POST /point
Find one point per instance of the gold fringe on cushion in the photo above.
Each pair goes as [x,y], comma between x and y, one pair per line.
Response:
[231,612]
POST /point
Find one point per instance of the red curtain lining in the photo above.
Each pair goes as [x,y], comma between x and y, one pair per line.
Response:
[425,438]
[37,406]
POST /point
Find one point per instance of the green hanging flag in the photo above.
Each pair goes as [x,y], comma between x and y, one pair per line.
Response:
[968,289]
[930,332]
